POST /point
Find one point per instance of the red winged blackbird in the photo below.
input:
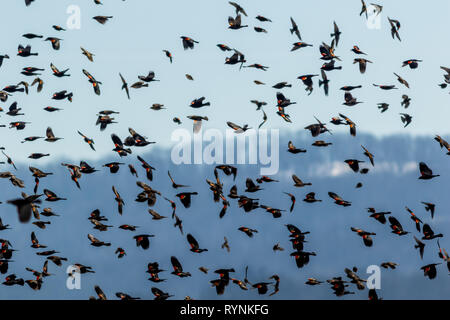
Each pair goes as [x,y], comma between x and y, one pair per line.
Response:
[366,236]
[61,95]
[353,164]
[430,270]
[412,63]
[356,50]
[249,232]
[198,103]
[102,19]
[25,52]
[159,294]
[235,23]
[143,241]
[55,42]
[425,172]
[177,268]
[383,106]
[185,198]
[188,43]
[379,216]
[94,82]
[194,244]
[396,226]
[169,55]
[428,233]
[430,207]
[295,30]
[24,206]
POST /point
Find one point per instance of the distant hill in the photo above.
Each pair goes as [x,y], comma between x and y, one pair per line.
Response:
[390,186]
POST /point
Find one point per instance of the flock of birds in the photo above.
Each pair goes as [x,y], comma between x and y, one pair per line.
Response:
[28,205]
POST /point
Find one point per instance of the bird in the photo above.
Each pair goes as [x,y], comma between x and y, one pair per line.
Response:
[295,30]
[178,269]
[24,206]
[362,64]
[5,56]
[168,55]
[56,42]
[125,85]
[293,149]
[429,207]
[194,244]
[419,245]
[50,136]
[89,141]
[188,43]
[425,172]
[412,63]
[379,216]
[235,23]
[402,81]
[88,54]
[119,200]
[94,82]
[102,19]
[298,182]
[58,73]
[406,119]
[198,103]
[197,122]
[385,87]
[395,26]
[25,51]
[429,270]
[237,128]
[324,81]
[175,185]
[238,8]
[262,19]
[336,33]
[97,243]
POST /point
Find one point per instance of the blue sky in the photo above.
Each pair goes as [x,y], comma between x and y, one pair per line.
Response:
[132,43]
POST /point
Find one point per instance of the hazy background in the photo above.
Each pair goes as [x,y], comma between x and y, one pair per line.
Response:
[132,43]
[390,186]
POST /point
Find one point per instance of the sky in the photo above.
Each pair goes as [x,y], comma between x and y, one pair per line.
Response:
[132,42]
